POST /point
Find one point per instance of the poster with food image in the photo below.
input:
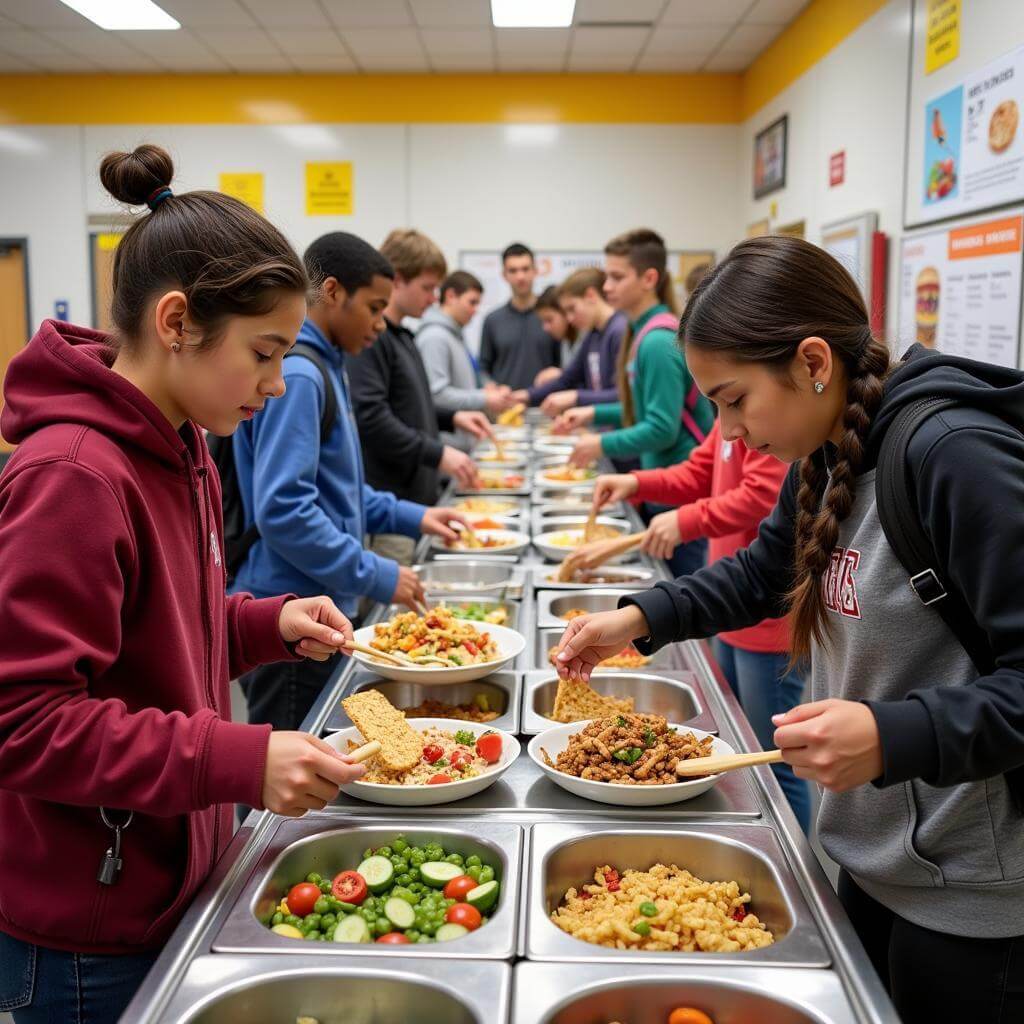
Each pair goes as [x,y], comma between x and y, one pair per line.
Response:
[973,150]
[960,289]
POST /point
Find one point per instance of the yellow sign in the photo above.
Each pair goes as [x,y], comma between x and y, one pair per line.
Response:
[107,242]
[244,185]
[329,189]
[942,33]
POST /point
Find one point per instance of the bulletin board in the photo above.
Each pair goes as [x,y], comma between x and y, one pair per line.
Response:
[965,116]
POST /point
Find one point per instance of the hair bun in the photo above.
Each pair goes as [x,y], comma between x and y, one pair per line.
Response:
[133,177]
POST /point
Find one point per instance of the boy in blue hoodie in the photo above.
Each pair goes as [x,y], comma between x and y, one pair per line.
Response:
[310,499]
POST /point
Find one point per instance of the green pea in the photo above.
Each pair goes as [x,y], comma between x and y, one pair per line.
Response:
[293,919]
[410,897]
[381,926]
[450,903]
[368,852]
[276,919]
[313,936]
[314,877]
[329,935]
[322,905]
[398,863]
[474,872]
[417,858]
[473,861]
[428,927]
[384,851]
[403,879]
[424,939]
[642,927]
[647,908]
[328,921]
[325,887]
[311,922]
[368,915]
[414,874]
[486,874]
[343,908]
[400,845]
[412,935]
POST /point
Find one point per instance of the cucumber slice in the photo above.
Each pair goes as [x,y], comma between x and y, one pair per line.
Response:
[483,897]
[352,929]
[450,931]
[378,872]
[399,913]
[438,873]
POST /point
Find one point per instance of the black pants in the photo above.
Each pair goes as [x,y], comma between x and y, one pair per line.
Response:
[282,694]
[935,977]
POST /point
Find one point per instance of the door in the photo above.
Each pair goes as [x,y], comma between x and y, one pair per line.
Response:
[13,306]
[102,248]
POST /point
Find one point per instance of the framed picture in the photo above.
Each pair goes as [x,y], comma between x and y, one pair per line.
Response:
[759,228]
[770,157]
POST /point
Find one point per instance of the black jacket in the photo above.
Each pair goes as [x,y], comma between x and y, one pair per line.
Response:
[967,468]
[398,426]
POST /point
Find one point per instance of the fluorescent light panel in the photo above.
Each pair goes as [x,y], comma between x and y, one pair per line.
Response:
[532,13]
[123,15]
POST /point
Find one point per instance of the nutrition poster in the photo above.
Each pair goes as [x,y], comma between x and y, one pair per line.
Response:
[973,150]
[960,289]
[329,189]
[244,185]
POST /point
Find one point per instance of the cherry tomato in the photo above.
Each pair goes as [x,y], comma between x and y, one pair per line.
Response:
[457,888]
[739,913]
[489,747]
[394,939]
[688,1015]
[464,914]
[349,887]
[439,780]
[301,898]
[471,647]
[461,757]
[432,753]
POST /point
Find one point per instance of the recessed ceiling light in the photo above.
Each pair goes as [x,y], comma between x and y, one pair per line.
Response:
[123,15]
[532,13]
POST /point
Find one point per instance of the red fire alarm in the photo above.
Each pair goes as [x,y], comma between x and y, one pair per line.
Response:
[837,168]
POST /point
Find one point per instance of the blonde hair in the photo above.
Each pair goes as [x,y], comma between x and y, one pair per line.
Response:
[411,253]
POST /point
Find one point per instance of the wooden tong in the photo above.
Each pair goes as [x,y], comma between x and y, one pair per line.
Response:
[726,763]
[589,555]
[396,659]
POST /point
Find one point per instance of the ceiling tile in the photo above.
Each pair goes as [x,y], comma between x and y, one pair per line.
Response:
[407,65]
[204,63]
[680,63]
[94,43]
[367,13]
[9,64]
[334,63]
[774,12]
[456,42]
[230,44]
[296,14]
[466,62]
[704,12]
[591,42]
[616,10]
[602,63]
[68,64]
[182,44]
[296,42]
[697,39]
[750,38]
[209,13]
[730,62]
[376,43]
[451,13]
[260,63]
[529,62]
[545,42]
[42,14]
[26,43]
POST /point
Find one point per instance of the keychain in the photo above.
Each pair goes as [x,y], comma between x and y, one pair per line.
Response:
[110,866]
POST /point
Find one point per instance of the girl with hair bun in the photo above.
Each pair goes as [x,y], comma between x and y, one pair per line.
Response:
[919,749]
[119,763]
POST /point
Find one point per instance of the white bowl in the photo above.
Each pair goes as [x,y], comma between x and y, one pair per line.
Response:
[426,796]
[508,522]
[514,508]
[540,480]
[516,542]
[554,445]
[569,524]
[556,739]
[510,645]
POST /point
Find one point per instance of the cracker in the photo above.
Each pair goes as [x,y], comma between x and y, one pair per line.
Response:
[377,719]
[577,701]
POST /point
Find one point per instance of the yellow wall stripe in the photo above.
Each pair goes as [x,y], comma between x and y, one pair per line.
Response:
[277,99]
[820,27]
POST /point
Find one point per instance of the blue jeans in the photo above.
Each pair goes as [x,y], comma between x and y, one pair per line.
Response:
[688,557]
[48,986]
[764,687]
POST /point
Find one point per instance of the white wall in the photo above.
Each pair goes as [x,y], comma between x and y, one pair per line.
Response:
[468,186]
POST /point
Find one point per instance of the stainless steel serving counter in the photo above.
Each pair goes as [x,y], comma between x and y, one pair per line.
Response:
[222,964]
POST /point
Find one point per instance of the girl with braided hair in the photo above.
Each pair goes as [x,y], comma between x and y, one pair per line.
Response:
[919,753]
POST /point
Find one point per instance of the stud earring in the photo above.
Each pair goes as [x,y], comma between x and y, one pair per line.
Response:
[175,346]
[819,387]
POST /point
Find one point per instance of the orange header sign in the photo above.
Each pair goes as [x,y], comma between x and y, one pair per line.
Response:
[988,239]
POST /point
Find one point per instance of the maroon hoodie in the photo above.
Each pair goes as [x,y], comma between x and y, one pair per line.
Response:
[118,646]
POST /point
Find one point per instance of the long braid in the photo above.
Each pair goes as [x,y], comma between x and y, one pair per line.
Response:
[818,521]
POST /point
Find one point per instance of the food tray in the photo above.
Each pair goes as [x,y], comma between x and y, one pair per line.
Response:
[472,575]
[669,657]
[551,605]
[623,577]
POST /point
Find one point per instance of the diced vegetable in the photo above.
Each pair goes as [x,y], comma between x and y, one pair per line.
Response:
[352,929]
[450,931]
[378,872]
[439,873]
[399,913]
[483,897]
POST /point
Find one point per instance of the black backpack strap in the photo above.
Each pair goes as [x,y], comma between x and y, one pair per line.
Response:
[330,413]
[898,514]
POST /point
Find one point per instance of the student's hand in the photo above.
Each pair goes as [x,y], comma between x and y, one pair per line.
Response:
[611,487]
[573,419]
[662,536]
[474,422]
[303,773]
[557,402]
[315,625]
[546,376]
[520,397]
[832,742]
[459,466]
[587,450]
[588,640]
[436,522]
[408,590]
[498,398]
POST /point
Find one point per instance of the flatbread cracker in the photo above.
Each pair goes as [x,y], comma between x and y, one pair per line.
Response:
[377,719]
[577,701]
[1002,126]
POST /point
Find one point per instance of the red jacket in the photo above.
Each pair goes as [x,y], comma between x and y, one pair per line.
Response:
[118,646]
[724,490]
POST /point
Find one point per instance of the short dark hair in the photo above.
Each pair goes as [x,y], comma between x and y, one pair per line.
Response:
[352,262]
[460,282]
[548,299]
[516,249]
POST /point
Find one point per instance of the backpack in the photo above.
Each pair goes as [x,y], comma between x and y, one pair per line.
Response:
[239,539]
[671,322]
[901,524]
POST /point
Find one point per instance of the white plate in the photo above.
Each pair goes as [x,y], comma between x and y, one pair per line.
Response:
[508,522]
[513,508]
[556,739]
[554,445]
[427,796]
[510,645]
[563,485]
[517,542]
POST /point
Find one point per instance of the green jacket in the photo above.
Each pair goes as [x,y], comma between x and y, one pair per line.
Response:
[660,384]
